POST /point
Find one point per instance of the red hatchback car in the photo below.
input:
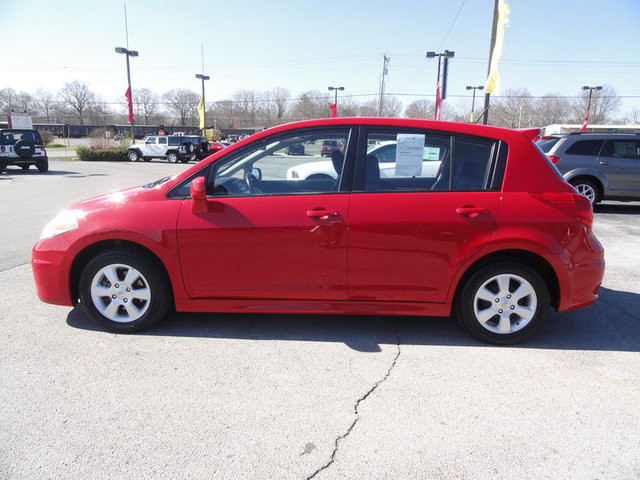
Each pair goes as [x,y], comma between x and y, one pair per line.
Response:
[487,230]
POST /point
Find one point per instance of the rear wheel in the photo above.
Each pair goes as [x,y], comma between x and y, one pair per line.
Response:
[503,303]
[172,157]
[123,291]
[133,155]
[43,165]
[587,188]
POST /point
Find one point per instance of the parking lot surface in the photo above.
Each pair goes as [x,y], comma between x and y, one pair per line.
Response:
[307,396]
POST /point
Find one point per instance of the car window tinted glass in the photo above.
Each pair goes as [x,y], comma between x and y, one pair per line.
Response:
[162,140]
[621,149]
[545,144]
[10,137]
[284,165]
[151,140]
[585,147]
[414,161]
[175,141]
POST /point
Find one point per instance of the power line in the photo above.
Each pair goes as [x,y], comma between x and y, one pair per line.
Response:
[451,27]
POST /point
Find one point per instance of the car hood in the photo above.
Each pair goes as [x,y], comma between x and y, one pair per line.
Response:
[113,199]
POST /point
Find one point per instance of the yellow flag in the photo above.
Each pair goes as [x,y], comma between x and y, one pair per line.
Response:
[201,113]
[493,79]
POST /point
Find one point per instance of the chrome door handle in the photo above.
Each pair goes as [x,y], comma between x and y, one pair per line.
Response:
[321,213]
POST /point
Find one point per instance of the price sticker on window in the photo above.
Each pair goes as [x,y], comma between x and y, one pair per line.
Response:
[409,153]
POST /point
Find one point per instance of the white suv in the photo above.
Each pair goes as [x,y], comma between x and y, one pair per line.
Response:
[171,147]
[22,147]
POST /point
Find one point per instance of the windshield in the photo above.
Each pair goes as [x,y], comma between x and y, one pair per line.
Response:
[10,137]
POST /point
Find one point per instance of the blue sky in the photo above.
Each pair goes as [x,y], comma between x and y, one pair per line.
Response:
[550,46]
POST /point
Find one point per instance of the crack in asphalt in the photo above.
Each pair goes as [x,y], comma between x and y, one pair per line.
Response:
[336,445]
[15,266]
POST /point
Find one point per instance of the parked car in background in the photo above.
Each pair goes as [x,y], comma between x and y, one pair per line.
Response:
[201,146]
[172,147]
[295,149]
[217,146]
[601,166]
[23,148]
[329,146]
[233,234]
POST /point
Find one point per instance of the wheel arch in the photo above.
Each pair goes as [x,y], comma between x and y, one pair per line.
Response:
[86,254]
[532,260]
[590,174]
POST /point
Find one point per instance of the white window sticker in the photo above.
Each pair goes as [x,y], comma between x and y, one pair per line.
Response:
[409,152]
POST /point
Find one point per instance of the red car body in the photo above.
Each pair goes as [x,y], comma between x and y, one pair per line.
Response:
[350,252]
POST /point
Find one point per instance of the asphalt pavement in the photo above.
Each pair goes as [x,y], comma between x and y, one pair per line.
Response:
[307,396]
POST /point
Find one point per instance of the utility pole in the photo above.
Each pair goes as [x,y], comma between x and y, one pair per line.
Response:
[128,53]
[385,71]
[335,102]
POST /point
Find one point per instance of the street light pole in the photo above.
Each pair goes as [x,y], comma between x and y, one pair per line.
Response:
[591,89]
[204,105]
[336,96]
[441,83]
[473,100]
[129,53]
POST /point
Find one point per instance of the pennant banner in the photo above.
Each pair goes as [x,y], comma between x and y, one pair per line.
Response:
[493,79]
[127,95]
[334,109]
[585,123]
[201,113]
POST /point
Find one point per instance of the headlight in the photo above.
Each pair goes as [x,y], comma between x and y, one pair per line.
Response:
[65,221]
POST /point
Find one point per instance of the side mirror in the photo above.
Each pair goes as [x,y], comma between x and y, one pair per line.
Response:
[256,172]
[198,190]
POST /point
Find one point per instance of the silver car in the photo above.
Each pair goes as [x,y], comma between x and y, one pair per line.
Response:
[601,166]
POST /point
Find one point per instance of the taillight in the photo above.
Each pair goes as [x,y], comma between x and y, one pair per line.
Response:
[573,204]
[553,159]
[2,149]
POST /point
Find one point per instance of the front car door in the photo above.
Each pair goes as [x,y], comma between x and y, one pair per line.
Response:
[412,222]
[266,235]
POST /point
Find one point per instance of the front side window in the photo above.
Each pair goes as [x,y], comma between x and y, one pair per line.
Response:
[279,166]
[422,161]
[151,141]
[162,141]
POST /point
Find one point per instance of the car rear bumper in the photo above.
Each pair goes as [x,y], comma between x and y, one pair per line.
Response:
[22,161]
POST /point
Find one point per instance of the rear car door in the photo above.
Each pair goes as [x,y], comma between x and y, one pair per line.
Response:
[410,225]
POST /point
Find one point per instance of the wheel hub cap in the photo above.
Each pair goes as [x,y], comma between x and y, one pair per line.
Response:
[120,293]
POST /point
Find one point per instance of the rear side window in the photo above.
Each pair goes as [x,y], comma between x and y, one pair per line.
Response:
[175,141]
[585,147]
[621,149]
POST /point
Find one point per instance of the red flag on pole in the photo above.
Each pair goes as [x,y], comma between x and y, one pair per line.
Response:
[438,102]
[333,107]
[584,124]
[129,104]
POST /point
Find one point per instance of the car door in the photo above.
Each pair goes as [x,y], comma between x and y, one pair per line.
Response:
[410,230]
[619,160]
[266,236]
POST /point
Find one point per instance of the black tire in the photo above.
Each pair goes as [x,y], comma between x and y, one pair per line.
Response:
[43,165]
[185,160]
[2,168]
[133,155]
[172,157]
[146,159]
[588,188]
[148,278]
[491,329]
[25,167]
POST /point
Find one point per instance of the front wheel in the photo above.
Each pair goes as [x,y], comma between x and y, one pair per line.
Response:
[124,291]
[503,303]
[172,157]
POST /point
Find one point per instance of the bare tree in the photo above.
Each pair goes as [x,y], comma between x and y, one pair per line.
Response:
[246,104]
[145,103]
[515,109]
[44,103]
[183,103]
[421,108]
[78,97]
[348,107]
[280,98]
[8,100]
[552,109]
[311,104]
